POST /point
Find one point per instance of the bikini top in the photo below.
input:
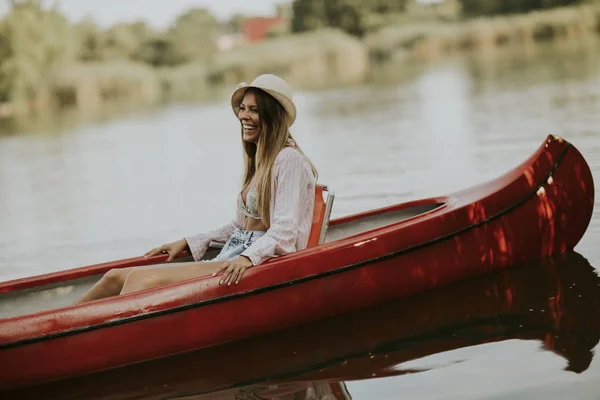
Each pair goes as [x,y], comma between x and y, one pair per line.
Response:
[250,208]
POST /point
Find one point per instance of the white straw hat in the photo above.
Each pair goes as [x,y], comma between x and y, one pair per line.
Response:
[275,86]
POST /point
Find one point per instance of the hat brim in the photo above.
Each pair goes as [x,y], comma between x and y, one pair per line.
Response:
[286,102]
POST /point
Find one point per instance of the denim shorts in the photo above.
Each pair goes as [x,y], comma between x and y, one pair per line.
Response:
[238,242]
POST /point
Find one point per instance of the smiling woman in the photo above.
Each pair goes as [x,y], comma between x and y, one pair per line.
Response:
[275,204]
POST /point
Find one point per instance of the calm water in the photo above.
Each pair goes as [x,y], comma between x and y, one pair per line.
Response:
[115,189]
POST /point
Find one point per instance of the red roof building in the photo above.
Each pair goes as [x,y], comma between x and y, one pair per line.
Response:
[255,29]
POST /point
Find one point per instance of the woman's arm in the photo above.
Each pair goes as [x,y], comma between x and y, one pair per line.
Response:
[294,190]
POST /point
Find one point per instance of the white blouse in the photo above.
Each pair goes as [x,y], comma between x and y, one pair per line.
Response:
[292,205]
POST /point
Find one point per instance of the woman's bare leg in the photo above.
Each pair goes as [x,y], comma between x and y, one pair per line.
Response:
[140,279]
[112,282]
[109,285]
[127,280]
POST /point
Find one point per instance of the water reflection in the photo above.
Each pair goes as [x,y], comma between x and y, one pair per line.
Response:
[286,391]
[520,66]
[555,302]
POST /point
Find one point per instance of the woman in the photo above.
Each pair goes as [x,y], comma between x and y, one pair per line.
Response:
[274,208]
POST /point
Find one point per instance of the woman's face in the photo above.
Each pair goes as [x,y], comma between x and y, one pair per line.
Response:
[249,118]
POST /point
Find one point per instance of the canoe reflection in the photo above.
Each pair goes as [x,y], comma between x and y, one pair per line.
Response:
[555,301]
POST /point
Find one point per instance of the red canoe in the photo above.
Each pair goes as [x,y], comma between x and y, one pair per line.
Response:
[538,209]
[555,301]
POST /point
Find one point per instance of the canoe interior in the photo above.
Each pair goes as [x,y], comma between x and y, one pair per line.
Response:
[61,294]
[351,228]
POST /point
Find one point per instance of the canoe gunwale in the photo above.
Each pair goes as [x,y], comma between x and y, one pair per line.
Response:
[442,203]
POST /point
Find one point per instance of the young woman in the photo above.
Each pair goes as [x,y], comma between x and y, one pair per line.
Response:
[274,208]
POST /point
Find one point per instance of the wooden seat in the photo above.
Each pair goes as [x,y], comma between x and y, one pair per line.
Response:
[321,214]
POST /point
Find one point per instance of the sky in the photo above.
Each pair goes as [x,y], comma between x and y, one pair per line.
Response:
[158,13]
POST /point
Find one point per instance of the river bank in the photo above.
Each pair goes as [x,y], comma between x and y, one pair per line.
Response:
[434,39]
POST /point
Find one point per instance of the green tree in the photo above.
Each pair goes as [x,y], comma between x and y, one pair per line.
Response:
[235,23]
[133,41]
[348,15]
[34,43]
[90,40]
[142,35]
[124,41]
[496,7]
[309,15]
[193,36]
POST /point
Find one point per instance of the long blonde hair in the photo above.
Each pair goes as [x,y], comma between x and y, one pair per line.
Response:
[259,158]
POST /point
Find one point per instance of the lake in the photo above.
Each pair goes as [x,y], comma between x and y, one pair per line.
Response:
[118,187]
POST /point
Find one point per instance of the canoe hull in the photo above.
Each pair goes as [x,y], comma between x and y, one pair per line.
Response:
[555,301]
[540,208]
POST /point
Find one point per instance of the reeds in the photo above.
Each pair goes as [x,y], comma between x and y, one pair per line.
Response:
[91,85]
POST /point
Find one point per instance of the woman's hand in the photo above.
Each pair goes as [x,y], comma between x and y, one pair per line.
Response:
[233,270]
[173,249]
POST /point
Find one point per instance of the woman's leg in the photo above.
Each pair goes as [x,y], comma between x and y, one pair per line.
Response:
[112,282]
[140,279]
[109,285]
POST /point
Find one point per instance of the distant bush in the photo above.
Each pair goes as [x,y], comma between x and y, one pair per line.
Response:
[92,84]
[185,82]
[499,7]
[350,16]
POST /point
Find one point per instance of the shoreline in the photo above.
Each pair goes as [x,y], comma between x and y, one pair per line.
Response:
[314,60]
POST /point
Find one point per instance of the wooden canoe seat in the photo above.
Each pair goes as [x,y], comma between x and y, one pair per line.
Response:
[321,214]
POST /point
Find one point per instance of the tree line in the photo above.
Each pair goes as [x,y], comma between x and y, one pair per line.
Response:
[352,15]
[499,7]
[35,41]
